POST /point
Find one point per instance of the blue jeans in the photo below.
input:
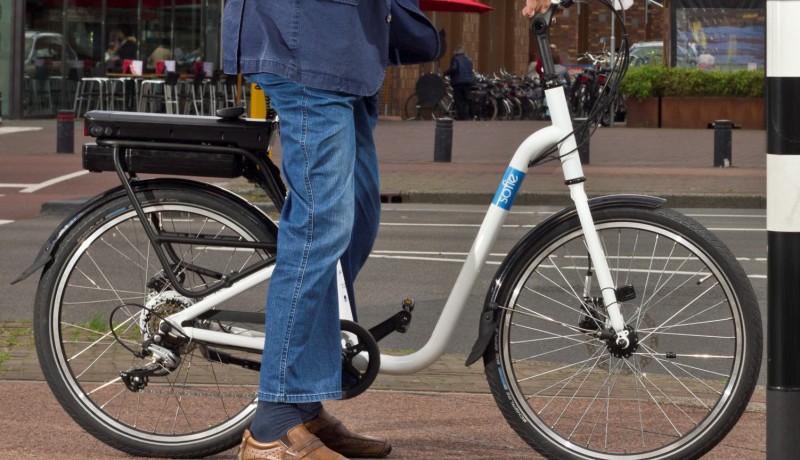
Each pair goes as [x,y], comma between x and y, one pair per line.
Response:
[332,212]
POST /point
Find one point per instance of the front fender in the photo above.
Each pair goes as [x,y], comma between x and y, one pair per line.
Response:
[47,250]
[490,314]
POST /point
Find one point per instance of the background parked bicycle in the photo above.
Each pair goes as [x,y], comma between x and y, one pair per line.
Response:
[587,87]
[503,96]
[432,99]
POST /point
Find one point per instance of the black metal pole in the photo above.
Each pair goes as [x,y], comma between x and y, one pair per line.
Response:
[443,145]
[722,143]
[783,233]
[65,131]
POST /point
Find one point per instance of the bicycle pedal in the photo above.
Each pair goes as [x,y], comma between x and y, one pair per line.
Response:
[399,322]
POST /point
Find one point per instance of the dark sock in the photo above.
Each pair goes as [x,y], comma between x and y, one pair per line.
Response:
[309,411]
[273,420]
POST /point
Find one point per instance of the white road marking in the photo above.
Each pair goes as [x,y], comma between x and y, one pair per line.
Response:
[16,185]
[412,224]
[427,257]
[720,229]
[2,222]
[55,180]
[18,129]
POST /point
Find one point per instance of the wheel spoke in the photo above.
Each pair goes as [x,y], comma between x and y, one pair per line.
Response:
[110,274]
[593,397]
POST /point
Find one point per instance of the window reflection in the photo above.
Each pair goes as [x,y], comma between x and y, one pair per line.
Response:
[66,40]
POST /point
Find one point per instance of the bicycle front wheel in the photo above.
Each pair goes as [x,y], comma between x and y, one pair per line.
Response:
[695,331]
[103,296]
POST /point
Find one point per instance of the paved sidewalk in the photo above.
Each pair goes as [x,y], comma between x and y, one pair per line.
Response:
[675,164]
[443,412]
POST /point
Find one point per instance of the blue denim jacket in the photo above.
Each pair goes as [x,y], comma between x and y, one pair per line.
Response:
[335,45]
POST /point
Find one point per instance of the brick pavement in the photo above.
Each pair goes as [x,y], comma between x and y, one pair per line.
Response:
[419,411]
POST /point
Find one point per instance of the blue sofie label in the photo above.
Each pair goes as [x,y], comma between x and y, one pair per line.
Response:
[508,188]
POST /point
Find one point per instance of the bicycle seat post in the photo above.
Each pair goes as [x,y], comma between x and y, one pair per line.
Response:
[539,25]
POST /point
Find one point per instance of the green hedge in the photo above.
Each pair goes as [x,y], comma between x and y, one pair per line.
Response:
[657,80]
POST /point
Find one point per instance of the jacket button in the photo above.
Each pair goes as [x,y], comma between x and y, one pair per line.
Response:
[389,18]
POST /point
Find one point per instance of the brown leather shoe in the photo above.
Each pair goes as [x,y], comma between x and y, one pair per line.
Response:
[297,444]
[337,437]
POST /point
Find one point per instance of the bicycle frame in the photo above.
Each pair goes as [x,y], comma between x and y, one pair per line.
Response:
[537,144]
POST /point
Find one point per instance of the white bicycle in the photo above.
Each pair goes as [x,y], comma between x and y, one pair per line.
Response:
[614,329]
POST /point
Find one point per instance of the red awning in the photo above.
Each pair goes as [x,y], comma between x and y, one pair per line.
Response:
[463,6]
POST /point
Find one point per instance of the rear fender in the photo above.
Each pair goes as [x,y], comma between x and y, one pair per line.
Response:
[45,255]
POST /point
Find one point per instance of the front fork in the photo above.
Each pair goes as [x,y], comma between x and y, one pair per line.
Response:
[573,173]
[574,178]
[597,259]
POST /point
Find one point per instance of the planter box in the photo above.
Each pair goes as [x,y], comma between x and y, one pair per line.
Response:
[698,112]
[642,113]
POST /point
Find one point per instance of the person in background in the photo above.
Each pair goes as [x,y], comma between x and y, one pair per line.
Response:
[127,44]
[161,53]
[538,65]
[461,78]
[532,66]
[705,61]
[110,57]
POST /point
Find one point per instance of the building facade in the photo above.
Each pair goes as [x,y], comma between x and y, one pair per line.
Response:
[46,45]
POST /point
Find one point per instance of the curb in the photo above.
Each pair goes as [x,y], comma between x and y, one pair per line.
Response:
[674,200]
[708,200]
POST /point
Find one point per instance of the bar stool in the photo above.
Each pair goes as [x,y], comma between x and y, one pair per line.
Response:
[151,95]
[171,92]
[209,92]
[41,93]
[121,93]
[92,90]
[155,93]
[195,92]
[229,91]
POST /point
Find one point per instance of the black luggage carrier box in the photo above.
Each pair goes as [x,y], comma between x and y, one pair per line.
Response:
[248,134]
[97,158]
[174,144]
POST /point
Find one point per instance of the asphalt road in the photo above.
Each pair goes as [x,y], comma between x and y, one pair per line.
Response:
[418,254]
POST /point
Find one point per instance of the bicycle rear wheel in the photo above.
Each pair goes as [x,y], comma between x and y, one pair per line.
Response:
[414,111]
[104,275]
[694,324]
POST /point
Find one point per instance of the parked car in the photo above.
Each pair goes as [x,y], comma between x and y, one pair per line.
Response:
[45,51]
[652,52]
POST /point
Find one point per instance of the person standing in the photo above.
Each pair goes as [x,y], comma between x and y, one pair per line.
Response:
[161,53]
[127,44]
[301,53]
[322,64]
[461,78]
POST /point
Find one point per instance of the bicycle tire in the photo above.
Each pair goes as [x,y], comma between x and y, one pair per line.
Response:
[699,340]
[414,111]
[515,108]
[410,108]
[104,261]
[528,108]
[444,108]
[503,109]
[583,102]
[486,109]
